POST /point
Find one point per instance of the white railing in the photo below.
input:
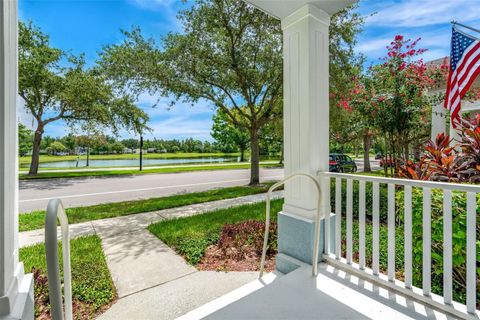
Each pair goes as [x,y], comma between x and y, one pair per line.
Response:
[316,240]
[373,271]
[56,211]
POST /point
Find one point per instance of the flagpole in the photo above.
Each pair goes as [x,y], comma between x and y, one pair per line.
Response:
[465,26]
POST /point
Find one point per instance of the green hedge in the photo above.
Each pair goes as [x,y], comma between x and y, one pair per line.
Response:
[459,227]
[368,199]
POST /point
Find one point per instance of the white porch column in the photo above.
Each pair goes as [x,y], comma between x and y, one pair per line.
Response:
[305,25]
[306,105]
[16,289]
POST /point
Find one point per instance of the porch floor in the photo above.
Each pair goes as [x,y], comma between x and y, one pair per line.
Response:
[333,294]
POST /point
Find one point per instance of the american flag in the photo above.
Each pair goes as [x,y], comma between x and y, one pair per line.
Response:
[464,68]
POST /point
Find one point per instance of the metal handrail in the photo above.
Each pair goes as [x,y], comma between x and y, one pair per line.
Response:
[317,221]
[56,210]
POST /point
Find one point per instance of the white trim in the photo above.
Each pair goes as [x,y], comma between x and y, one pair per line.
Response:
[307,11]
[406,182]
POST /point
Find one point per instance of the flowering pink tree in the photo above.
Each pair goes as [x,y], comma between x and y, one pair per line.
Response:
[392,97]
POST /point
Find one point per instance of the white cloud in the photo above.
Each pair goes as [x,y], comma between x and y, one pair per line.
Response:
[418,13]
[178,127]
[23,116]
[373,45]
[156,105]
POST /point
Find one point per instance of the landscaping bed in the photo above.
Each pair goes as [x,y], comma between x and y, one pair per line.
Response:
[92,286]
[222,240]
[36,219]
[239,248]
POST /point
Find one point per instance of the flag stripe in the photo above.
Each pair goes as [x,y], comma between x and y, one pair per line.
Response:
[465,60]
[464,68]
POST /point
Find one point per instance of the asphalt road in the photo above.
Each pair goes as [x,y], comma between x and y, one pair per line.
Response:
[74,192]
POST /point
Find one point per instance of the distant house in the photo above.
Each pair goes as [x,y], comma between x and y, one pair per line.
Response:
[439,113]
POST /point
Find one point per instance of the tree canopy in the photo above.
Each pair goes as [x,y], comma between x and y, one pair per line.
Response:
[228,53]
[57,85]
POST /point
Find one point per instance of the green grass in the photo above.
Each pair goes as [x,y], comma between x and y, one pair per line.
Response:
[36,219]
[92,285]
[375,173]
[190,236]
[101,173]
[127,156]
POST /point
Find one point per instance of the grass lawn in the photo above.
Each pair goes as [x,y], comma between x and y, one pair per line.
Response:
[374,173]
[48,158]
[190,236]
[92,286]
[36,219]
[101,173]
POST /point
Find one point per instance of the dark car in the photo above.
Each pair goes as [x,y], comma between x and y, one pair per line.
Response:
[341,163]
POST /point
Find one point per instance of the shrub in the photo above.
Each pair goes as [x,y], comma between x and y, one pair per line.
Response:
[458,239]
[383,195]
[443,162]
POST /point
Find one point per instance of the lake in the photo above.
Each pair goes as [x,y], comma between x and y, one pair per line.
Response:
[135,162]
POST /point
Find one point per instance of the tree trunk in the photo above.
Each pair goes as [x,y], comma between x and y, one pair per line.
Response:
[281,155]
[242,154]
[88,157]
[385,161]
[406,150]
[37,140]
[367,142]
[254,158]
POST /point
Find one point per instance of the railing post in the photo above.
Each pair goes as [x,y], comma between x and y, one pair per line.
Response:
[447,246]
[427,242]
[55,210]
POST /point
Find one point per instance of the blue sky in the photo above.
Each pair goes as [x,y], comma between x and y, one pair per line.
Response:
[84,26]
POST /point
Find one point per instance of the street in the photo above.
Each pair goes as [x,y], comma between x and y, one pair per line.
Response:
[74,192]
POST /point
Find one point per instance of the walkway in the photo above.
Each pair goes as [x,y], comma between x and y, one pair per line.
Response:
[146,272]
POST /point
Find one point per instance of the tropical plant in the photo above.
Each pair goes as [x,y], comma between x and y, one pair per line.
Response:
[443,162]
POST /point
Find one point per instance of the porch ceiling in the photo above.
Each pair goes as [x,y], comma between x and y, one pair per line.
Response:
[283,8]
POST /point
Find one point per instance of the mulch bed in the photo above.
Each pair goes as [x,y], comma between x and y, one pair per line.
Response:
[214,259]
[240,248]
